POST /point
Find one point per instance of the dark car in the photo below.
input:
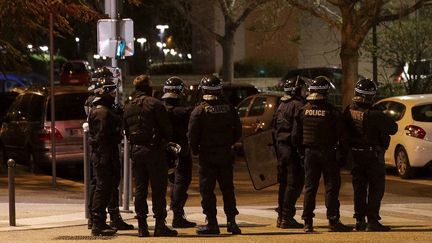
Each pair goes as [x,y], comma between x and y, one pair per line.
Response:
[26,129]
[233,92]
[75,72]
[333,73]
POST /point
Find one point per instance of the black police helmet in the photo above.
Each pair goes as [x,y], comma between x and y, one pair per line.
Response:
[100,77]
[293,86]
[319,88]
[211,85]
[365,91]
[173,88]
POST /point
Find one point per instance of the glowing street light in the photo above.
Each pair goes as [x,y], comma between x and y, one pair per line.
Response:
[162,27]
[43,48]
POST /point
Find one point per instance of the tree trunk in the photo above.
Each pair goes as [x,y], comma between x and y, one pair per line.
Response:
[228,58]
[349,59]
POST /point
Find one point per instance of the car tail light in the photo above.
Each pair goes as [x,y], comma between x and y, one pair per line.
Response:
[415,131]
[45,135]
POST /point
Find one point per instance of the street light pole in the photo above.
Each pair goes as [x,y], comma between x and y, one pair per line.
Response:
[162,28]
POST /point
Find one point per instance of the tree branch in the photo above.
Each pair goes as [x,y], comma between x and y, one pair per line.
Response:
[196,22]
[320,11]
[403,12]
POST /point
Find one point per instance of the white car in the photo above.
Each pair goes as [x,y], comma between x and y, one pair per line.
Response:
[411,147]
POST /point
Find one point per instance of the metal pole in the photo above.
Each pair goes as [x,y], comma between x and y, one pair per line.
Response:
[53,129]
[374,56]
[86,169]
[126,175]
[11,185]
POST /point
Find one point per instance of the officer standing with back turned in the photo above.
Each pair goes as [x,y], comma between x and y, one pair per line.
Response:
[290,169]
[105,136]
[103,77]
[214,127]
[179,117]
[148,129]
[368,133]
[318,129]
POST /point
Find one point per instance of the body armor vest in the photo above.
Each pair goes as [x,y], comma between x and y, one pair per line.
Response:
[318,126]
[142,128]
[358,116]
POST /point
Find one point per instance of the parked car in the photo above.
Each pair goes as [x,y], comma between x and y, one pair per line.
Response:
[26,129]
[256,112]
[333,73]
[233,92]
[411,147]
[6,99]
[75,72]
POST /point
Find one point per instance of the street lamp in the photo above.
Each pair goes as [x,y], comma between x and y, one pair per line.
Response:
[162,28]
[141,40]
[77,40]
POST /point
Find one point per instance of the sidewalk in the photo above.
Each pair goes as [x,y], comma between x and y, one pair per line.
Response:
[39,204]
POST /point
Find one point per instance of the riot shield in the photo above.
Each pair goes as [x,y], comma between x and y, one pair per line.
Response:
[261,160]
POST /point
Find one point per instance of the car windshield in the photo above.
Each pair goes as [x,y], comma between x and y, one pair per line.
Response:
[422,113]
[68,107]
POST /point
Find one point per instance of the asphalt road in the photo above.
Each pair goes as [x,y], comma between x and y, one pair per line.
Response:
[407,207]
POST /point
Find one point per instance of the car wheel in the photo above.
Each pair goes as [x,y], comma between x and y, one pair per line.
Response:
[403,166]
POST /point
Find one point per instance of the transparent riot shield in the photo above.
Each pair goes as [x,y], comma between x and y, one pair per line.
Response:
[261,160]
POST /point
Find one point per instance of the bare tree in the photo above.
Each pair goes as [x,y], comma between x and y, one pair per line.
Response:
[234,13]
[354,19]
[23,22]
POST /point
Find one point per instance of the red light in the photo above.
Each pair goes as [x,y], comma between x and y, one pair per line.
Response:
[415,131]
[45,135]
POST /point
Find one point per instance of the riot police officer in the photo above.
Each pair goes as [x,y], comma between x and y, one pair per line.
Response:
[148,129]
[318,128]
[179,117]
[105,135]
[103,77]
[368,133]
[214,127]
[290,170]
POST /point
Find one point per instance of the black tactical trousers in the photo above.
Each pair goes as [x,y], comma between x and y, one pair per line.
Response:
[217,166]
[321,160]
[150,166]
[106,169]
[182,180]
[113,205]
[368,179]
[291,179]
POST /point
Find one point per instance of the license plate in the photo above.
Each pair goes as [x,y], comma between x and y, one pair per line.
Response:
[76,132]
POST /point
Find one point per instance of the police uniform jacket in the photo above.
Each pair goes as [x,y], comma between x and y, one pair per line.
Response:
[284,117]
[213,124]
[368,126]
[179,116]
[146,121]
[318,124]
[105,127]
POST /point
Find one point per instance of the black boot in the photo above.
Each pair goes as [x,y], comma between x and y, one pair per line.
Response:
[360,224]
[232,226]
[376,226]
[90,224]
[162,230]
[290,223]
[180,221]
[308,225]
[279,221]
[143,228]
[337,226]
[212,227]
[102,229]
[118,223]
